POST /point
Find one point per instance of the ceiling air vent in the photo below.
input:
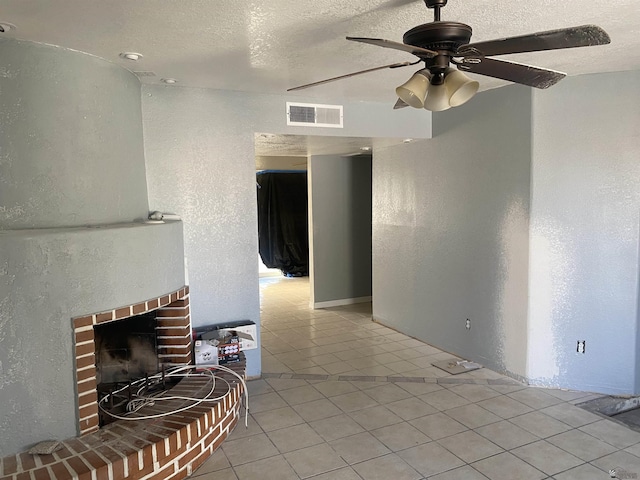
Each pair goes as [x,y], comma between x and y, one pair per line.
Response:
[311,115]
[145,74]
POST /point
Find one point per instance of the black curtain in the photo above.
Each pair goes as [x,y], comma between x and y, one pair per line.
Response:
[282,221]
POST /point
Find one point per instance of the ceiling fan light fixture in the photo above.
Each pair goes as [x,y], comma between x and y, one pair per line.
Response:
[437,99]
[414,90]
[460,87]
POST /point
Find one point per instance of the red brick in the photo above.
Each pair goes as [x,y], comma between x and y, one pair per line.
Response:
[115,459]
[139,308]
[84,336]
[186,290]
[85,361]
[23,476]
[181,331]
[86,374]
[89,410]
[147,454]
[180,341]
[180,303]
[174,297]
[219,441]
[199,460]
[209,438]
[117,429]
[170,360]
[85,349]
[42,474]
[60,471]
[165,473]
[169,458]
[151,304]
[123,449]
[134,467]
[10,465]
[172,322]
[164,300]
[62,453]
[76,445]
[47,459]
[172,312]
[82,470]
[98,463]
[173,443]
[26,461]
[91,397]
[193,453]
[230,422]
[104,317]
[123,312]
[87,386]
[83,321]
[89,425]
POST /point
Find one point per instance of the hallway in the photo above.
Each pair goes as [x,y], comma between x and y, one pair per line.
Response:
[344,398]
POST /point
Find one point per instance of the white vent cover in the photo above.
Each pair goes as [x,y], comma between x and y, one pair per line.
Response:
[312,115]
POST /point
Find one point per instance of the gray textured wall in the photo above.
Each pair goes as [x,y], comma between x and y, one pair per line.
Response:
[450,229]
[585,234]
[341,227]
[199,148]
[71,154]
[70,137]
[200,165]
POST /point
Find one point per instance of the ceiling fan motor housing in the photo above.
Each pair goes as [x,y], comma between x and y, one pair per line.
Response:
[442,37]
[448,36]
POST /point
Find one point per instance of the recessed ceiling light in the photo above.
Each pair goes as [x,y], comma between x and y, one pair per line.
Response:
[131,56]
[5,27]
[365,149]
[169,81]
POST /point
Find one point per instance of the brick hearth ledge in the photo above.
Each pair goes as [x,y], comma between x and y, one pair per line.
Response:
[169,447]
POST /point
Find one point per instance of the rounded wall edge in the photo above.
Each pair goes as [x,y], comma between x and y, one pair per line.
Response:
[50,277]
[72,140]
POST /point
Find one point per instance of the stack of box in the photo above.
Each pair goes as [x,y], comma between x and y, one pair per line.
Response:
[221,344]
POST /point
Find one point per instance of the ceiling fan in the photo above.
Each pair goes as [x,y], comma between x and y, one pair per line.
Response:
[440,44]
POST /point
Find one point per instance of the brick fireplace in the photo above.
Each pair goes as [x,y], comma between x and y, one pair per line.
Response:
[169,447]
[173,340]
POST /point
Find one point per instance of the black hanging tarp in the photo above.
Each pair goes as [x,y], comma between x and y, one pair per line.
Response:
[282,221]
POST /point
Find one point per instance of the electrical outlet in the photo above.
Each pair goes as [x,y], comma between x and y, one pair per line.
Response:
[245,343]
[582,344]
[467,324]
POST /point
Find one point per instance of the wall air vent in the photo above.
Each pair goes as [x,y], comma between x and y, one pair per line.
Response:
[311,115]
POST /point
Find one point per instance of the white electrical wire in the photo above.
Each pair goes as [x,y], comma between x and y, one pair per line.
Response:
[140,401]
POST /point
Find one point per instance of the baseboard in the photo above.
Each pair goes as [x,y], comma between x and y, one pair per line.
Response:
[341,302]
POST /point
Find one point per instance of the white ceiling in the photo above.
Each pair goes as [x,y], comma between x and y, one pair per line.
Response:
[272,45]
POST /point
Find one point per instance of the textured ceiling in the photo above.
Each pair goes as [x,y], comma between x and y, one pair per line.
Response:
[270,46]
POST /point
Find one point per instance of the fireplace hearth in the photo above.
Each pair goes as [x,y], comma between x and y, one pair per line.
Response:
[126,343]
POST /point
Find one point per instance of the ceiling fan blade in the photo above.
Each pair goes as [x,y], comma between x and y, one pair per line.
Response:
[513,72]
[583,36]
[400,104]
[333,79]
[380,42]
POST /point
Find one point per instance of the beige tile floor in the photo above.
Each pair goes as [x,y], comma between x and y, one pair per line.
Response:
[344,398]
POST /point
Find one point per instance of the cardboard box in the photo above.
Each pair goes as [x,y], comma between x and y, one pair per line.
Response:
[220,344]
